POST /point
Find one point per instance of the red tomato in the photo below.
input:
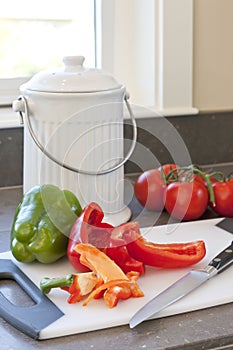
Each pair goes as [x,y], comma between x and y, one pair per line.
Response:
[223,192]
[203,181]
[150,189]
[186,200]
[200,179]
[168,167]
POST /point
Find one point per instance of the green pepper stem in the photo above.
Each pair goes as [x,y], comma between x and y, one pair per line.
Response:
[46,284]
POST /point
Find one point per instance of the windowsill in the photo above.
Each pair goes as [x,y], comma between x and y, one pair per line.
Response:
[140,111]
[9,118]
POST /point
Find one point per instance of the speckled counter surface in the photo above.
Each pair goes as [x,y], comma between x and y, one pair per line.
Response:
[211,328]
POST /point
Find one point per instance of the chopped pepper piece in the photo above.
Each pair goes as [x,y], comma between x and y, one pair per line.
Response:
[169,255]
[116,285]
[117,250]
[106,280]
[89,228]
[78,285]
[116,290]
[99,262]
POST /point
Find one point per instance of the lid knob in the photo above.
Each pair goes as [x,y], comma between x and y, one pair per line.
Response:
[73,63]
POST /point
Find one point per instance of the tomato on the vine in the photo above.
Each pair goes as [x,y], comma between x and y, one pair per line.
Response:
[223,194]
[186,200]
[150,188]
[202,179]
[166,168]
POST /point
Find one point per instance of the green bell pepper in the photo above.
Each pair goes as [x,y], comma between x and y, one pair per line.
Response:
[42,224]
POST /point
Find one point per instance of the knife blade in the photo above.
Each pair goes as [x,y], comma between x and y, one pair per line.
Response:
[184,286]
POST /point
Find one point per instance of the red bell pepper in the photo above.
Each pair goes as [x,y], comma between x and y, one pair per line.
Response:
[116,290]
[170,255]
[89,228]
[125,245]
[106,280]
[77,285]
[117,250]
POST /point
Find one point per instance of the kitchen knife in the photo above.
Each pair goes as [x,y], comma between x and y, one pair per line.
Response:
[183,286]
[29,319]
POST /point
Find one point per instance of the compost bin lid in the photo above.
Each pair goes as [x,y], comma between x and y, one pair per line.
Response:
[72,77]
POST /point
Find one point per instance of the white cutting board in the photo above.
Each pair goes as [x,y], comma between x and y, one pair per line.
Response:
[96,315]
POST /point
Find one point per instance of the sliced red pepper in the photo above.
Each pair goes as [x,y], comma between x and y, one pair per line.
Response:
[89,228]
[125,245]
[117,285]
[74,291]
[117,251]
[171,255]
[106,279]
[77,285]
[116,290]
[115,293]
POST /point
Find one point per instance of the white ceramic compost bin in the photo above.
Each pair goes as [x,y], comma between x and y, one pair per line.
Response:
[73,134]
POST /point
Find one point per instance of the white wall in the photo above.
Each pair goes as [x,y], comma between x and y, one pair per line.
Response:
[213,55]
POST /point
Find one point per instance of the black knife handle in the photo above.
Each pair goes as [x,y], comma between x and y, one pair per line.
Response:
[223,259]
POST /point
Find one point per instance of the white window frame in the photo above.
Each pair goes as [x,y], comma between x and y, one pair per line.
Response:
[148,46]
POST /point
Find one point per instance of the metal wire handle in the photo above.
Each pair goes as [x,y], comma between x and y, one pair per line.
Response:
[66,166]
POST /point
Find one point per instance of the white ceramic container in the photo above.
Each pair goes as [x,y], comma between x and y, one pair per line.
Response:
[73,136]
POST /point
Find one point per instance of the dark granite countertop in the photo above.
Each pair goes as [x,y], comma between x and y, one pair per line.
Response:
[210,328]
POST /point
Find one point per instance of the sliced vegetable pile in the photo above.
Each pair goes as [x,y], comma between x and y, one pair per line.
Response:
[106,280]
[125,245]
[89,228]
[108,259]
[185,192]
[111,259]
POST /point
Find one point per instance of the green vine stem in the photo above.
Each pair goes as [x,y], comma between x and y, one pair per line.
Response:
[210,189]
[186,174]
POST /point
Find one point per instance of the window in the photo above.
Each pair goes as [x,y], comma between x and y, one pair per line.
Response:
[36,35]
[147,45]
